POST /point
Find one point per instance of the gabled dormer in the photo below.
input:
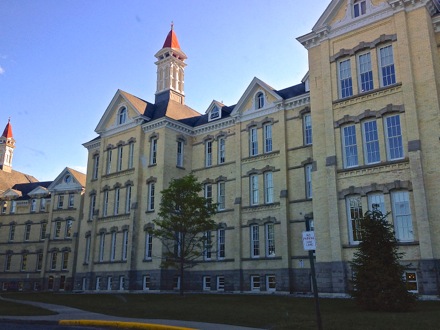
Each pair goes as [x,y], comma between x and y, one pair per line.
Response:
[68,180]
[214,111]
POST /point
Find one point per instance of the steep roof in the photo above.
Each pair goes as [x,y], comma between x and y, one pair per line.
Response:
[81,177]
[171,40]
[26,188]
[8,180]
[7,133]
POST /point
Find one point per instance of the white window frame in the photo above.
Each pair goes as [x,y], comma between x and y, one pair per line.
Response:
[254,191]
[87,250]
[39,265]
[117,198]
[125,245]
[105,204]
[386,63]
[65,260]
[349,146]
[377,199]
[176,282]
[121,283]
[354,213]
[207,251]
[95,167]
[57,229]
[33,205]
[98,283]
[148,246]
[68,228]
[207,191]
[180,149]
[208,153]
[53,260]
[101,247]
[14,206]
[120,158]
[402,216]
[24,259]
[307,129]
[109,161]
[128,199]
[259,100]
[255,241]
[411,278]
[365,72]
[268,145]
[270,240]
[151,192]
[221,244]
[130,163]
[268,188]
[271,283]
[27,231]
[92,206]
[308,180]
[71,201]
[109,283]
[359,8]
[220,283]
[394,138]
[253,141]
[146,282]
[113,246]
[221,195]
[153,151]
[370,137]
[43,230]
[206,283]
[60,201]
[221,150]
[255,283]
[11,235]
[122,116]
[345,79]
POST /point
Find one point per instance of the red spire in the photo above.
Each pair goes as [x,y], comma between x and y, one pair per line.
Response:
[7,133]
[171,40]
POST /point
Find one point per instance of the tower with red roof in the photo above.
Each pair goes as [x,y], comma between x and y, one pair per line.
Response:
[7,146]
[170,70]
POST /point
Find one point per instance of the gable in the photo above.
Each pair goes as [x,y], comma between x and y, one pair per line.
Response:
[121,112]
[39,192]
[68,180]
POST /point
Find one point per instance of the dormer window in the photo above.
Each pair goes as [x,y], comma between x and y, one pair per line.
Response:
[214,114]
[259,100]
[359,8]
[122,116]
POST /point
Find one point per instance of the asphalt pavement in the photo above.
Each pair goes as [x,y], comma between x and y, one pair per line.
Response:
[69,313]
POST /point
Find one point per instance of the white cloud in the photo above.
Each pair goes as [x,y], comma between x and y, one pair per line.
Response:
[2,70]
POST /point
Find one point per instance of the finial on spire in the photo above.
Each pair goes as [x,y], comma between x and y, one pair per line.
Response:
[172,25]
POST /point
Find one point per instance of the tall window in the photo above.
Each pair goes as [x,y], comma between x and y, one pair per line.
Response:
[255,241]
[125,245]
[402,216]
[120,155]
[71,202]
[105,204]
[121,282]
[95,166]
[255,283]
[221,150]
[386,61]
[371,142]
[68,229]
[57,231]
[101,247]
[98,283]
[253,142]
[113,246]
[260,100]
[109,283]
[354,214]
[221,195]
[365,72]
[43,230]
[109,162]
[151,191]
[308,180]
[208,153]
[53,260]
[394,137]
[153,151]
[376,200]
[27,232]
[117,197]
[254,189]
[65,260]
[220,283]
[271,284]
[307,127]
[208,192]
[122,117]
[345,80]
[349,146]
[270,240]
[180,153]
[146,282]
[148,246]
[359,8]
[130,155]
[14,205]
[87,250]
[267,129]
[8,262]
[60,201]
[207,246]
[221,244]
[206,283]
[92,206]
[33,205]
[268,187]
[39,265]
[24,258]
[128,199]
[11,231]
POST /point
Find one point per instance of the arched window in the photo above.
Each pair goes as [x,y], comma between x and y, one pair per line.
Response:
[259,100]
[122,116]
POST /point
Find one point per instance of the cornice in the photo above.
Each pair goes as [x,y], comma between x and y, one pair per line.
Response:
[214,126]
[120,128]
[294,102]
[95,144]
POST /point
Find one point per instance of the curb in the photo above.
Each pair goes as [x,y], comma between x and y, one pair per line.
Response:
[120,324]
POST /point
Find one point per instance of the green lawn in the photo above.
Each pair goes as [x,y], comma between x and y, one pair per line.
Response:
[269,312]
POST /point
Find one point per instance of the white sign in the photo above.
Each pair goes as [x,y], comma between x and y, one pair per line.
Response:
[309,241]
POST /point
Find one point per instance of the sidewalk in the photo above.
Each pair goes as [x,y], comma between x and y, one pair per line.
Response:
[68,313]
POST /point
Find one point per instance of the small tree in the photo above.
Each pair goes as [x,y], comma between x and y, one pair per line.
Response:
[378,283]
[184,218]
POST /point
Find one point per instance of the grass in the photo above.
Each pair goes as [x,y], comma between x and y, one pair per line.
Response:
[16,309]
[268,312]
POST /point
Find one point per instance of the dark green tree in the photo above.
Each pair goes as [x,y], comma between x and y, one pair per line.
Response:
[184,218]
[378,277]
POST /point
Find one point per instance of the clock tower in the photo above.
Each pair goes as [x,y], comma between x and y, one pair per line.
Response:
[7,146]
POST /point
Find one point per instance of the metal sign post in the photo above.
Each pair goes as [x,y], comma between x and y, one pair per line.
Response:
[309,243]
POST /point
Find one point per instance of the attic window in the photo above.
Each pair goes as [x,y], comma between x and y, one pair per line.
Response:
[359,8]
[259,100]
[215,113]
[122,116]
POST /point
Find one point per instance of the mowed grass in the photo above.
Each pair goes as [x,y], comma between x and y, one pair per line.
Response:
[261,311]
[8,308]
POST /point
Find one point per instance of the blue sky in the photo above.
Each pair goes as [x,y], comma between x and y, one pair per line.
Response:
[61,62]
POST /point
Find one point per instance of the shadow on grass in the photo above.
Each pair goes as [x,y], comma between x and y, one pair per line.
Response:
[260,311]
